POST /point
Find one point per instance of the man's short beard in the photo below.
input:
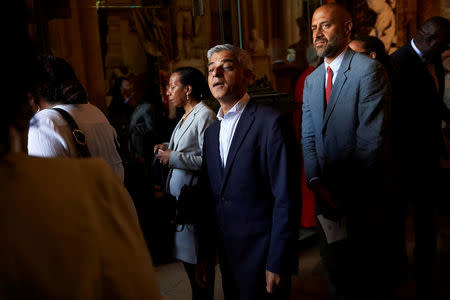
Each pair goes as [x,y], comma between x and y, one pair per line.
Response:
[332,48]
[330,51]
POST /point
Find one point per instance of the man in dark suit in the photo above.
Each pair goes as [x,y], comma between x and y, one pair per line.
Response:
[417,113]
[345,101]
[251,158]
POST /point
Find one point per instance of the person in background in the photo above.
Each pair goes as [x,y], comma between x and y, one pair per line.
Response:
[148,127]
[418,110]
[148,123]
[122,93]
[374,48]
[50,134]
[68,227]
[183,156]
[344,140]
[120,110]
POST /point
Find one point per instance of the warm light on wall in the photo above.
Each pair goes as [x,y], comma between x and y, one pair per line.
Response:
[108,4]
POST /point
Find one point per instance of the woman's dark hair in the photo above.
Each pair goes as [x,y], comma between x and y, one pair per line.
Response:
[374,44]
[193,77]
[59,83]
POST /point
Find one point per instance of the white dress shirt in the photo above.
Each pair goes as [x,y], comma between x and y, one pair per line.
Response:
[334,65]
[49,134]
[413,45]
[228,124]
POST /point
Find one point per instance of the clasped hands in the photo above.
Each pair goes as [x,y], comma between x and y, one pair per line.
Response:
[162,152]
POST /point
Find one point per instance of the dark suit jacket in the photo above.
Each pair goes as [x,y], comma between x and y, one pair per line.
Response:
[417,112]
[343,144]
[257,195]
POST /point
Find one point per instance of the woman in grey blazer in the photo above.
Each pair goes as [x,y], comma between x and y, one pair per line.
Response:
[183,155]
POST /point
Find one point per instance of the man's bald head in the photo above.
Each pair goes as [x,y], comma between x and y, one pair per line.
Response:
[331,27]
[433,37]
[338,10]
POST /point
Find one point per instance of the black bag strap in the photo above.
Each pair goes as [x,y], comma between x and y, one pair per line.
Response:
[78,135]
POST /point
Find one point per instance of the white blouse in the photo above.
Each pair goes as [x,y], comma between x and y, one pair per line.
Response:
[49,134]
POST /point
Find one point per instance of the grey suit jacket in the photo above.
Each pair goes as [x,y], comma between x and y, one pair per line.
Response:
[343,141]
[185,163]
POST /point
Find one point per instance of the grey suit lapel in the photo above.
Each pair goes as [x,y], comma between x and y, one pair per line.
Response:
[172,137]
[320,94]
[187,124]
[337,86]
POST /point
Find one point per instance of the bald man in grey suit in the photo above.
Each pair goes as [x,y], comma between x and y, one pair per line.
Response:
[345,104]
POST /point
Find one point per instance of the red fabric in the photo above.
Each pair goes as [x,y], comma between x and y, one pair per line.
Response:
[329,83]
[298,100]
[308,218]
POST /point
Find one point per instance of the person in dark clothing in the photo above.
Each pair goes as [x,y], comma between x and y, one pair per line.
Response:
[148,122]
[417,112]
[148,127]
[120,110]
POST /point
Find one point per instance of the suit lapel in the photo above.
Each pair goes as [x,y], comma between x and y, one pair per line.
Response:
[172,137]
[337,86]
[215,128]
[320,94]
[187,123]
[245,122]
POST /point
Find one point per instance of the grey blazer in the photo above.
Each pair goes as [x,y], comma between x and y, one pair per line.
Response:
[185,163]
[343,141]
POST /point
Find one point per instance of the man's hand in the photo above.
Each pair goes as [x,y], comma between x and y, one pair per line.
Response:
[273,281]
[322,195]
[164,156]
[201,273]
[321,192]
[163,147]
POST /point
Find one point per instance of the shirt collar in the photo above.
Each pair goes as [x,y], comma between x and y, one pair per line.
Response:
[413,45]
[336,63]
[237,108]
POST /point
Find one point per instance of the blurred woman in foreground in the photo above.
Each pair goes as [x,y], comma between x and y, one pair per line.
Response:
[68,228]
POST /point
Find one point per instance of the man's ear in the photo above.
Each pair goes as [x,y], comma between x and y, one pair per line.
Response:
[348,26]
[373,55]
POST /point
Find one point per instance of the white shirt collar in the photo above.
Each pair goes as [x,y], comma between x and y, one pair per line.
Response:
[413,45]
[237,108]
[336,63]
